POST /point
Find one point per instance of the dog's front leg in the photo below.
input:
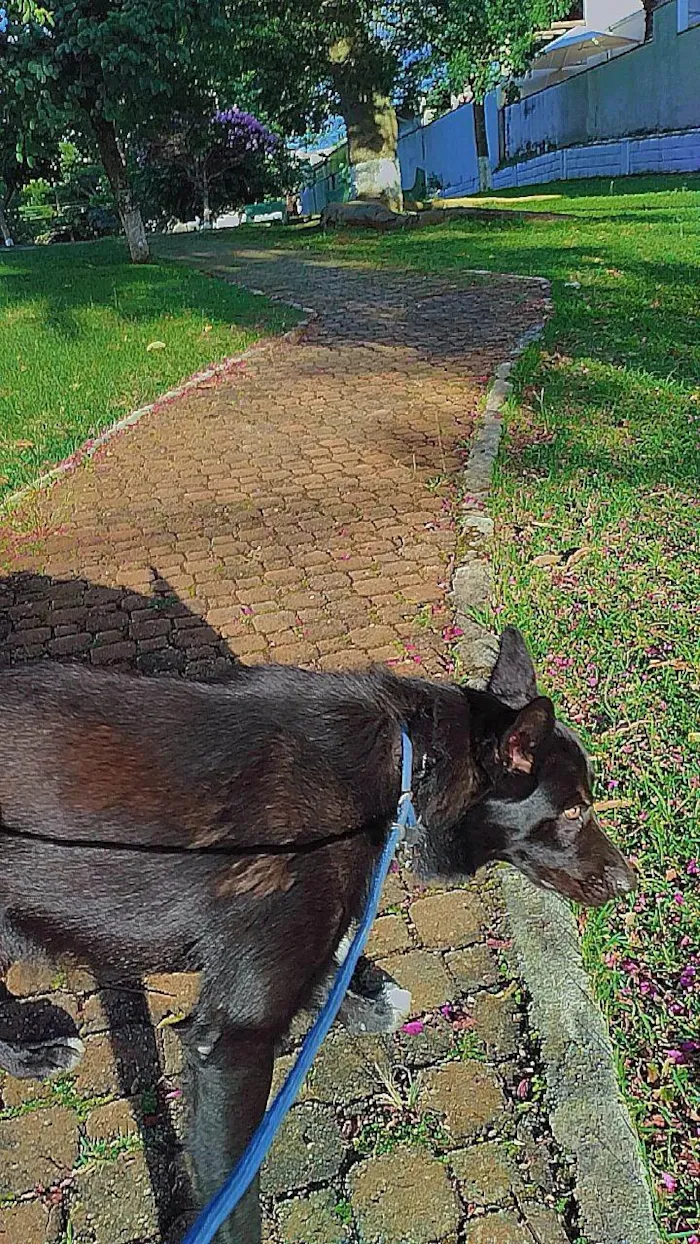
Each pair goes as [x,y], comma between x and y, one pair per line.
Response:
[230,1074]
[374,1003]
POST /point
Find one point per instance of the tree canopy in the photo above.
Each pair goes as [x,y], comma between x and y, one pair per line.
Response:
[478,45]
[102,68]
[113,71]
[200,164]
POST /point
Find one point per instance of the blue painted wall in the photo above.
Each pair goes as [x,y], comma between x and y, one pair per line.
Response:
[447,148]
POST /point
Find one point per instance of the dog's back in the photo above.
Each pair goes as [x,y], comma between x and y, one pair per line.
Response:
[192,771]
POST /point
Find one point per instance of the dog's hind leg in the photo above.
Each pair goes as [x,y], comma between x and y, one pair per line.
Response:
[375,1002]
[37,1039]
[229,1073]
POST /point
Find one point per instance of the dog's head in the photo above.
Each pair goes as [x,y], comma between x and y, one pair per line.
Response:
[537,812]
[541,796]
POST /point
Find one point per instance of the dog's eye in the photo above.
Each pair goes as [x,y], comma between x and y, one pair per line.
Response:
[573,814]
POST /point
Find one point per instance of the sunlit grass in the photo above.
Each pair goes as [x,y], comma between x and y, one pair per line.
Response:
[86,337]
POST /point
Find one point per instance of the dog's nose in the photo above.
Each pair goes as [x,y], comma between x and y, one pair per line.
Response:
[621,878]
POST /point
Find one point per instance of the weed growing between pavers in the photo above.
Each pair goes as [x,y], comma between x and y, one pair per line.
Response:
[469,1048]
[106,1150]
[390,1115]
[387,1131]
[86,337]
[343,1211]
[597,525]
[60,1091]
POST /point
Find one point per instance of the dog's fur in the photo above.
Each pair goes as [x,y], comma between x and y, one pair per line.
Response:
[275,756]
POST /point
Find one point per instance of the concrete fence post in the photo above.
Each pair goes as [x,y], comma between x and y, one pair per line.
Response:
[626,157]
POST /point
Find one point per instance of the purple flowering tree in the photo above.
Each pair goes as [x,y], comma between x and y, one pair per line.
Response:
[215,162]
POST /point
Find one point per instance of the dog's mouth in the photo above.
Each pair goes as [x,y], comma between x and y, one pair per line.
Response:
[591,891]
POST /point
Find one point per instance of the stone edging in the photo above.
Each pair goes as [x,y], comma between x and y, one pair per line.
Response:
[90,447]
[589,1120]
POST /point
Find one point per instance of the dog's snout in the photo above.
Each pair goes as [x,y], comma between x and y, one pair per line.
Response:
[622,879]
[619,876]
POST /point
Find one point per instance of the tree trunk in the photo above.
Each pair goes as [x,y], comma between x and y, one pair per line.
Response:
[4,226]
[649,6]
[115,168]
[373,135]
[482,145]
[206,207]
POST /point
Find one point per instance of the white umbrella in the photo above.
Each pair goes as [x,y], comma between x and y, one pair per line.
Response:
[579,45]
[537,79]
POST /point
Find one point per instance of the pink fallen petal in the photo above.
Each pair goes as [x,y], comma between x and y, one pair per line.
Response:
[464,1023]
[414,1028]
[669,1182]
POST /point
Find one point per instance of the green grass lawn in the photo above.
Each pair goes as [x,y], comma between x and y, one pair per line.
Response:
[601,460]
[76,324]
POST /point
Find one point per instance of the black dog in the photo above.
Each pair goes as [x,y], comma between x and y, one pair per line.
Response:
[231,789]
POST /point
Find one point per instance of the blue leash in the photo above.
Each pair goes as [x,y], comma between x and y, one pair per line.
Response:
[248,1165]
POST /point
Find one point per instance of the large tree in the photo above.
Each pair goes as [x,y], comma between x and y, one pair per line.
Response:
[300,62]
[103,68]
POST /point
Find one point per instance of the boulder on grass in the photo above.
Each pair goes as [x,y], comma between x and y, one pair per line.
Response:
[362,214]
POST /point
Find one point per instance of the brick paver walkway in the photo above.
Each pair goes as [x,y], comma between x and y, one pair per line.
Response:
[300,510]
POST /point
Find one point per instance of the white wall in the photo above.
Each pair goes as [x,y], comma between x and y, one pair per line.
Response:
[602,14]
[662,153]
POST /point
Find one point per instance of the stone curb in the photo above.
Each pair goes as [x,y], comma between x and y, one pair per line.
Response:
[90,447]
[589,1120]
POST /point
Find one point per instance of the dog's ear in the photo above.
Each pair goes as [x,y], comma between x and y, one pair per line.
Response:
[531,728]
[513,677]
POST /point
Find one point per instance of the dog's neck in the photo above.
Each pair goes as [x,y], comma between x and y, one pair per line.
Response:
[455,734]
